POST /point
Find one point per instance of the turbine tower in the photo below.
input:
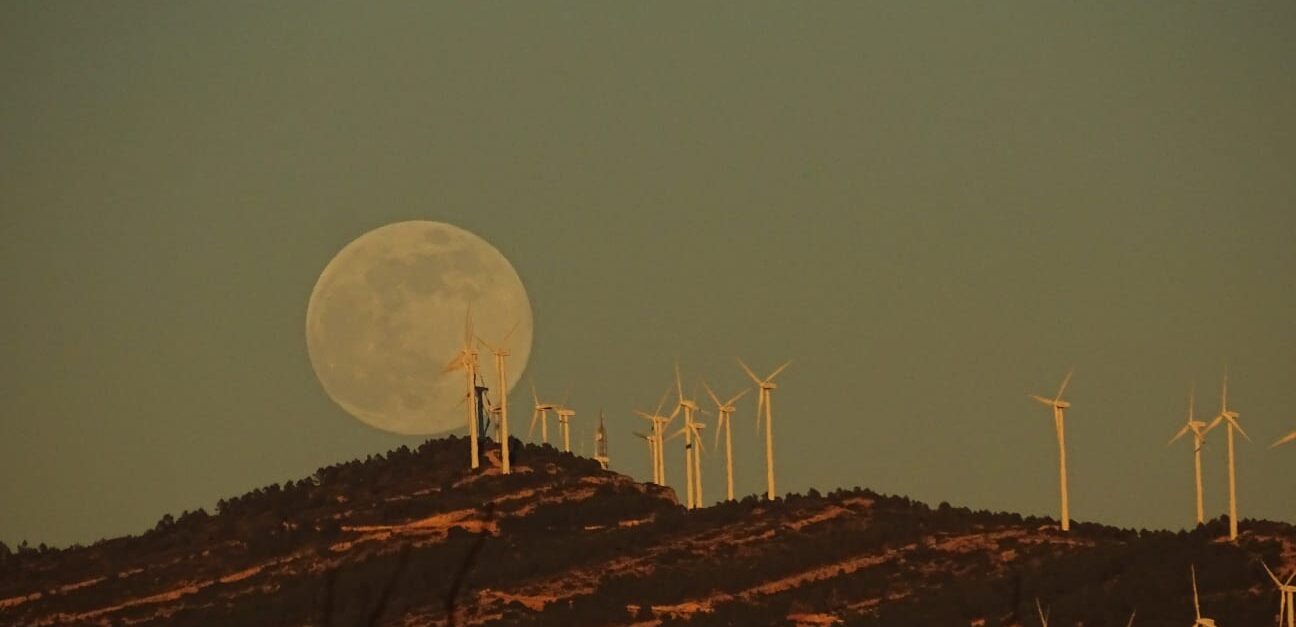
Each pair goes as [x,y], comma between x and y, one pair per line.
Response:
[1200,622]
[541,413]
[1286,597]
[466,360]
[725,410]
[1230,417]
[600,444]
[1198,429]
[501,353]
[1059,422]
[765,386]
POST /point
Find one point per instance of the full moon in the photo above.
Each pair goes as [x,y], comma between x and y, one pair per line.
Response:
[387,315]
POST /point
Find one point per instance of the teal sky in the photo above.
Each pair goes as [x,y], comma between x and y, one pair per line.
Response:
[934,208]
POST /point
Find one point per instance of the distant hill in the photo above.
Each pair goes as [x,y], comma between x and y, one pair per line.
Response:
[413,538]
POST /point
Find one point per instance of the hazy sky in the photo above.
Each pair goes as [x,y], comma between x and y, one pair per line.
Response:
[934,208]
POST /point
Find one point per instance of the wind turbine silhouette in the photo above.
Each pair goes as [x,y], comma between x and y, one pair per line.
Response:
[541,413]
[466,360]
[1198,428]
[659,423]
[1059,422]
[501,353]
[765,386]
[1230,417]
[725,410]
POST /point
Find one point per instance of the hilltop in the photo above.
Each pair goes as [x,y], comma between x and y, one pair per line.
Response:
[413,538]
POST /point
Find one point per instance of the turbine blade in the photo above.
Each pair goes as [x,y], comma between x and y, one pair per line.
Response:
[1271,573]
[1214,423]
[657,412]
[455,364]
[719,423]
[1131,620]
[737,396]
[1192,401]
[1181,434]
[535,415]
[755,379]
[712,394]
[1065,381]
[1196,606]
[510,333]
[1047,401]
[1235,425]
[534,395]
[778,370]
[1285,439]
[468,326]
[679,385]
[1040,609]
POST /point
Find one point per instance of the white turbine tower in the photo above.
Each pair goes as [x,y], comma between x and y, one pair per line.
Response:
[1198,428]
[765,386]
[466,360]
[725,410]
[1059,423]
[501,353]
[1230,417]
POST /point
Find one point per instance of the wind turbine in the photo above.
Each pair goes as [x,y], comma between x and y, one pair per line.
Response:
[501,353]
[692,459]
[564,421]
[1286,597]
[1230,417]
[726,410]
[600,444]
[659,423]
[765,386]
[541,413]
[652,452]
[1198,429]
[466,360]
[1200,622]
[690,433]
[1059,422]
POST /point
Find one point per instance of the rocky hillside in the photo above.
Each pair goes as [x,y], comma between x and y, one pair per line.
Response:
[412,538]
